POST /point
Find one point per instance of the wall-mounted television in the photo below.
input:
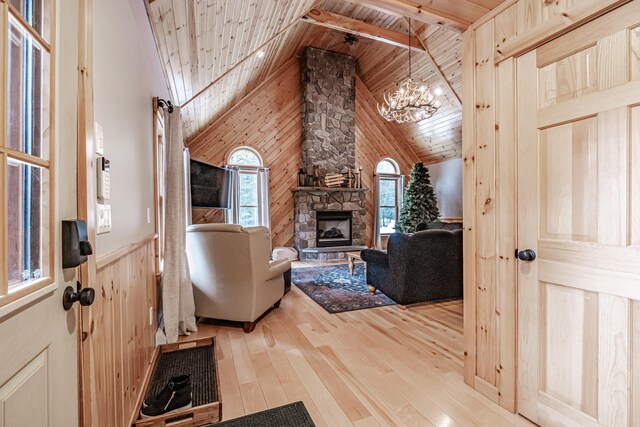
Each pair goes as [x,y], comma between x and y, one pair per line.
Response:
[209,185]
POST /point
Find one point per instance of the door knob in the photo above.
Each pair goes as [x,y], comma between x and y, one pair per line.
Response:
[84,296]
[527,255]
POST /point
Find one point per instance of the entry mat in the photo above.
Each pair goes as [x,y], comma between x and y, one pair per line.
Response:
[291,415]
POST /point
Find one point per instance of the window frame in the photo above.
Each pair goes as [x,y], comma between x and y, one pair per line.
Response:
[396,178]
[252,151]
[248,169]
[10,16]
[159,151]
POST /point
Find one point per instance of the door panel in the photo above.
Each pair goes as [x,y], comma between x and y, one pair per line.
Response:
[568,156]
[26,390]
[579,209]
[568,363]
[635,176]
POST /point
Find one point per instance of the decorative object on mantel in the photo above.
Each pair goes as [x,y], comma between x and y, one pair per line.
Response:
[333,180]
[302,178]
[414,101]
[316,176]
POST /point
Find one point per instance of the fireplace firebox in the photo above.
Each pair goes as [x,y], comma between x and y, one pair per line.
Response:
[333,228]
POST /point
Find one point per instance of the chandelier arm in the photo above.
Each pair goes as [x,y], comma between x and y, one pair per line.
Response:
[409,47]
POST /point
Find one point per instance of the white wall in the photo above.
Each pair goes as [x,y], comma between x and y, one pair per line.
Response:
[446,178]
[127,75]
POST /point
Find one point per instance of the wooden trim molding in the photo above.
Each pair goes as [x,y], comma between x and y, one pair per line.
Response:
[492,14]
[334,21]
[450,219]
[561,24]
[426,14]
[108,259]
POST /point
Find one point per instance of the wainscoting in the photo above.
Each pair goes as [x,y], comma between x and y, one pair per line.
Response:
[121,333]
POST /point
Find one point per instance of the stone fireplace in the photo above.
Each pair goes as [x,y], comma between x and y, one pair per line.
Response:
[328,221]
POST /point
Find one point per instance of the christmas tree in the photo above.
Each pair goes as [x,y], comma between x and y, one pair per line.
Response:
[420,202]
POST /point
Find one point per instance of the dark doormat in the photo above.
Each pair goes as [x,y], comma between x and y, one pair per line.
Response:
[291,415]
[198,362]
[335,290]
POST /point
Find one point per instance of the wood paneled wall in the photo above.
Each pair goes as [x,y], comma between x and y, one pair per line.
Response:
[489,180]
[122,338]
[377,139]
[269,120]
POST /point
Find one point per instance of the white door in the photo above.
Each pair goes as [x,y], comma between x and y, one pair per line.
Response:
[579,211]
[38,339]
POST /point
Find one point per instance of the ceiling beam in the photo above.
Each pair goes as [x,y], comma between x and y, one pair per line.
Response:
[360,28]
[447,88]
[413,10]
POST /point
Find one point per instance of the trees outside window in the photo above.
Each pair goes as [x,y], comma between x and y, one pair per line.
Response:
[389,193]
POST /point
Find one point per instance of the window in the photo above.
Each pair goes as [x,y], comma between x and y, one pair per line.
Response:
[389,195]
[25,147]
[251,194]
[159,155]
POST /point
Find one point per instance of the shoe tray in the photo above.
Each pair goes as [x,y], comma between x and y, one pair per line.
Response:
[210,413]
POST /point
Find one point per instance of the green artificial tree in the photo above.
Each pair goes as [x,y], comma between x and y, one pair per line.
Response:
[420,202]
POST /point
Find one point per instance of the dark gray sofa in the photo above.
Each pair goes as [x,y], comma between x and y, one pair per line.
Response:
[424,266]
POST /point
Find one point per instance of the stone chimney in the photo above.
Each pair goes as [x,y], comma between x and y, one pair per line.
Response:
[328,111]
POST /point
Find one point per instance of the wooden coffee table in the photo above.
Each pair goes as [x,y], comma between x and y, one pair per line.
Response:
[352,257]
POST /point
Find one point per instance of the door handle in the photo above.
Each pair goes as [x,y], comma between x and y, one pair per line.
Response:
[84,296]
[527,255]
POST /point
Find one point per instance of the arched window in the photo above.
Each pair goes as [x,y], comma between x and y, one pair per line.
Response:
[389,189]
[251,188]
[388,166]
[245,156]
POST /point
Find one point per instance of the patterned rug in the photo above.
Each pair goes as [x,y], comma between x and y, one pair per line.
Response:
[335,290]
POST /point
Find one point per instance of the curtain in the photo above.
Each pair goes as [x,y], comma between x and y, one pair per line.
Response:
[376,243]
[400,194]
[263,198]
[177,293]
[232,215]
[186,156]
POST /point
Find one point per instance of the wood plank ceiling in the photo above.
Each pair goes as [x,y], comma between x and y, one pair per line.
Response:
[215,52]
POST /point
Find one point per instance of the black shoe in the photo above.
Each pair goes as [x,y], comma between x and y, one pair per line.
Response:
[178,382]
[176,395]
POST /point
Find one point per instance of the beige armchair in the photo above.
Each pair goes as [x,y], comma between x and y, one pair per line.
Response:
[232,276]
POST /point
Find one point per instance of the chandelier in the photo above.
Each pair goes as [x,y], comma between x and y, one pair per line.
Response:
[413,101]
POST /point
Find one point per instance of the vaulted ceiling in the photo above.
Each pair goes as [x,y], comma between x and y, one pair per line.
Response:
[215,52]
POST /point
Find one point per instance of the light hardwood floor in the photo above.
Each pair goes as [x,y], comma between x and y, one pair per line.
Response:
[375,367]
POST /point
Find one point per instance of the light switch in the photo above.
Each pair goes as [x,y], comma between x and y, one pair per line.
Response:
[99,139]
[104,218]
[148,215]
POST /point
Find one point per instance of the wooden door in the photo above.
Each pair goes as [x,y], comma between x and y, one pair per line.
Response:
[578,109]
[38,338]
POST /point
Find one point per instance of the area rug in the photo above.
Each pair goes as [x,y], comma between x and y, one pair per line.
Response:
[291,415]
[335,290]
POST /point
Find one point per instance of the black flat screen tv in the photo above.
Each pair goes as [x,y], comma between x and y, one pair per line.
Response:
[209,186]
